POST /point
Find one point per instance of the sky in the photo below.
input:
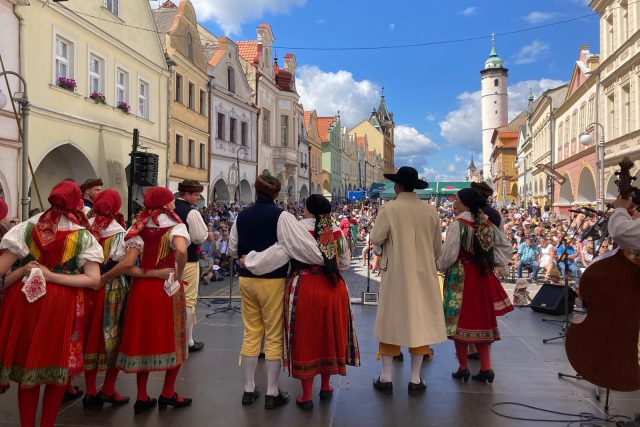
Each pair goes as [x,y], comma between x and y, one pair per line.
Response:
[433,90]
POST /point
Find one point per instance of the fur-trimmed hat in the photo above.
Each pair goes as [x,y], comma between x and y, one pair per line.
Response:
[268,185]
[483,189]
[190,186]
[90,183]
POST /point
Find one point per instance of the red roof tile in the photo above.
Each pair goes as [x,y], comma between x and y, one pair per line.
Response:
[248,50]
[307,119]
[324,123]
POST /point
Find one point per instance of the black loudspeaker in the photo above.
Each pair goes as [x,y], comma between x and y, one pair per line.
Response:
[550,300]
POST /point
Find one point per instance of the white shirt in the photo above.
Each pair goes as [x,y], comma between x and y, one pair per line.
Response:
[178,230]
[197,228]
[294,242]
[502,248]
[14,242]
[118,250]
[624,230]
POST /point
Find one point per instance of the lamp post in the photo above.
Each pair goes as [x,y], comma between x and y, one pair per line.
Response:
[238,166]
[366,162]
[25,107]
[586,139]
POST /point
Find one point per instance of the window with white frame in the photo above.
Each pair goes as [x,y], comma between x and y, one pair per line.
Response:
[203,102]
[266,126]
[112,6]
[203,156]
[178,88]
[122,86]
[178,152]
[244,133]
[64,58]
[192,153]
[192,96]
[284,130]
[96,74]
[143,99]
[220,128]
[233,124]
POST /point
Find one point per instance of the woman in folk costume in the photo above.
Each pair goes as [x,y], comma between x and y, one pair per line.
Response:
[37,321]
[320,337]
[473,295]
[153,334]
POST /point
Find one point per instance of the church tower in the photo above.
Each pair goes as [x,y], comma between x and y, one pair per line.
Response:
[494,79]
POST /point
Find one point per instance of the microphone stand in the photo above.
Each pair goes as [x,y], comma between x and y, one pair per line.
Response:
[229,306]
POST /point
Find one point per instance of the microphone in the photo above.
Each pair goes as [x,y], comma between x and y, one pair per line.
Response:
[588,209]
[578,211]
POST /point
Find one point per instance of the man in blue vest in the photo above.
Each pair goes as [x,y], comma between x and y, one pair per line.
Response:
[256,229]
[189,192]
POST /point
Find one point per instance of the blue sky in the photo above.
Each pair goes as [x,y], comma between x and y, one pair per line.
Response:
[433,90]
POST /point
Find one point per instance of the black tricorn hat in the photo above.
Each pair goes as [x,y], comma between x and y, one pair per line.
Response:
[408,177]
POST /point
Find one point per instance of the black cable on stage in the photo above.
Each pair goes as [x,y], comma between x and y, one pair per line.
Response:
[585,419]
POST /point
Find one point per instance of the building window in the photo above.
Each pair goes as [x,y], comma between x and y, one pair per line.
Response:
[190,46]
[203,102]
[178,88]
[610,39]
[231,80]
[232,129]
[203,156]
[111,6]
[284,130]
[143,99]
[582,124]
[626,110]
[244,133]
[611,116]
[266,126]
[560,139]
[221,119]
[192,153]
[122,86]
[96,74]
[64,58]
[179,149]
[192,96]
[590,115]
[496,82]
[624,21]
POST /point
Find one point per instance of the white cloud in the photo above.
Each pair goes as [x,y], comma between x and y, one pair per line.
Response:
[470,11]
[537,17]
[430,117]
[320,21]
[328,92]
[463,126]
[459,159]
[392,26]
[411,144]
[451,168]
[431,175]
[231,14]
[532,52]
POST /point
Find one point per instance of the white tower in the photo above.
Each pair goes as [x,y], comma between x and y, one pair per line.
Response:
[494,79]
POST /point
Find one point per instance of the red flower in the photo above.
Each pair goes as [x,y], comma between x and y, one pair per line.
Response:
[325,237]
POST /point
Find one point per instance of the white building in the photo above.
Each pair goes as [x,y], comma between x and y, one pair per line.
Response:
[494,79]
[304,150]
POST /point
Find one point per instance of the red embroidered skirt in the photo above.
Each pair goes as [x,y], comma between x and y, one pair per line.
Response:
[319,339]
[154,328]
[483,299]
[35,338]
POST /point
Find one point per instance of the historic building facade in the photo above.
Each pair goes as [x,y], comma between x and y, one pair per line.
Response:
[188,150]
[315,151]
[92,81]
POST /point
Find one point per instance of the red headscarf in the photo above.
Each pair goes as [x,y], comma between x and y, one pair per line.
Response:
[155,200]
[4,209]
[106,207]
[65,199]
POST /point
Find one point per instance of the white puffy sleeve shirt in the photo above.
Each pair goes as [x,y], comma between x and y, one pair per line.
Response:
[14,241]
[178,230]
[118,250]
[624,230]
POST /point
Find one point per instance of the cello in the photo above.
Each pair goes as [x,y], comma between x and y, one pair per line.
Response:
[603,348]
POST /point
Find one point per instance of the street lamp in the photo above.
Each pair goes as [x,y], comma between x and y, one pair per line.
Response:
[587,140]
[25,107]
[522,161]
[238,166]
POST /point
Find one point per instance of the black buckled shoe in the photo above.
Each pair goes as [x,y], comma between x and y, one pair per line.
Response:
[326,394]
[89,401]
[415,389]
[307,405]
[115,399]
[461,374]
[197,346]
[248,397]
[272,402]
[144,405]
[383,387]
[484,376]
[174,401]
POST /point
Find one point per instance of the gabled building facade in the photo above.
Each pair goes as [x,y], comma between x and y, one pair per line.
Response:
[315,151]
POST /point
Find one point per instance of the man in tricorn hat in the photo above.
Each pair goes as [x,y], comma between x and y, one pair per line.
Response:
[189,192]
[410,311]
[89,189]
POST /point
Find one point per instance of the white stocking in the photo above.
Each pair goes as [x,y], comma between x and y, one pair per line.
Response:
[190,326]
[416,364]
[249,364]
[273,373]
[387,363]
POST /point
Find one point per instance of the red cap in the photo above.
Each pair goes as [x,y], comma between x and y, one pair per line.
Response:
[157,197]
[107,202]
[66,196]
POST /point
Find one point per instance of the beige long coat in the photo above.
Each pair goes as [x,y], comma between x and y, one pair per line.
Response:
[410,309]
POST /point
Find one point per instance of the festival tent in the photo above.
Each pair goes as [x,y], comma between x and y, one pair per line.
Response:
[377,187]
[438,189]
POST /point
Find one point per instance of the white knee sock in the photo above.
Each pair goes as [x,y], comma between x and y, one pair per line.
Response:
[273,373]
[416,364]
[190,326]
[249,364]
[387,363]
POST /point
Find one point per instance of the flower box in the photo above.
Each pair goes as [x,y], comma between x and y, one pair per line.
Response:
[68,84]
[124,107]
[98,97]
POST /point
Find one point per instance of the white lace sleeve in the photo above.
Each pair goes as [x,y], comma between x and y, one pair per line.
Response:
[118,248]
[179,230]
[502,249]
[135,242]
[450,248]
[14,241]
[91,250]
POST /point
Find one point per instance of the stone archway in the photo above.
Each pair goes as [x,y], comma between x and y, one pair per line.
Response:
[326,189]
[566,192]
[63,162]
[245,191]
[220,192]
[612,188]
[291,189]
[586,187]
[514,190]
[304,192]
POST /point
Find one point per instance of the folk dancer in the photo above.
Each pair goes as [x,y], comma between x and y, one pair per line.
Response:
[58,252]
[320,337]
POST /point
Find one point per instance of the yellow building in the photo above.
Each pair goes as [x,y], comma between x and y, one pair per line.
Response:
[375,148]
[71,51]
[503,159]
[188,155]
[315,151]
